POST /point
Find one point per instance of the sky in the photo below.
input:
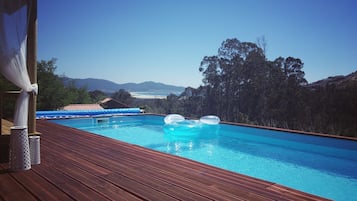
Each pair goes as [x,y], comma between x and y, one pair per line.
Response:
[165,40]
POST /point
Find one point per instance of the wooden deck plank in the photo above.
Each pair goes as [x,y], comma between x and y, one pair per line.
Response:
[41,189]
[77,165]
[114,180]
[95,184]
[176,175]
[122,168]
[10,189]
[146,161]
[91,178]
[125,166]
[72,187]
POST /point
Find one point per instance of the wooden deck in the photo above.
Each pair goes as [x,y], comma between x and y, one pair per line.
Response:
[77,165]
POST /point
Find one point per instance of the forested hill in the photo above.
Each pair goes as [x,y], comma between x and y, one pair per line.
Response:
[338,81]
[326,106]
[241,85]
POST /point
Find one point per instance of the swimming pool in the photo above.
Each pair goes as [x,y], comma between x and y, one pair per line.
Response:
[323,166]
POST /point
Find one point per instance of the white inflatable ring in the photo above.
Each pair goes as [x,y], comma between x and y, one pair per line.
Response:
[173,118]
[210,119]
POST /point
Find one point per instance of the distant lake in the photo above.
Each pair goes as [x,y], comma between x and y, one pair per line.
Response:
[153,94]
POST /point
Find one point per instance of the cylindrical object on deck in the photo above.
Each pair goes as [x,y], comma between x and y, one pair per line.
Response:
[35,152]
[19,149]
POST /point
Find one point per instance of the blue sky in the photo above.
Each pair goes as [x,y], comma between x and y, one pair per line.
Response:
[165,40]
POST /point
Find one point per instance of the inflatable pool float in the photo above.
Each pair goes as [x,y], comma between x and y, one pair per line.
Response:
[177,126]
[173,118]
[210,119]
[177,118]
[183,128]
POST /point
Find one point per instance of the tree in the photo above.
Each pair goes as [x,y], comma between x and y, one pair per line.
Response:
[291,91]
[232,76]
[262,43]
[292,69]
[123,96]
[52,93]
[77,95]
[97,96]
[173,104]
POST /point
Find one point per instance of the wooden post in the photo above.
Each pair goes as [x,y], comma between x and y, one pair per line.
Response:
[1,98]
[32,60]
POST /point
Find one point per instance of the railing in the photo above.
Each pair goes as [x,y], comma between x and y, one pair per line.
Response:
[12,95]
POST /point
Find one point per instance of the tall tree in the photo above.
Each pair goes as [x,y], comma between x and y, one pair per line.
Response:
[123,96]
[229,77]
[262,43]
[52,92]
[97,96]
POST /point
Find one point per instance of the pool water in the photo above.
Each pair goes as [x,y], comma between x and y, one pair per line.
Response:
[318,165]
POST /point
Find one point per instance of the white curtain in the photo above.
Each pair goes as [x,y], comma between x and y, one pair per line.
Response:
[13,42]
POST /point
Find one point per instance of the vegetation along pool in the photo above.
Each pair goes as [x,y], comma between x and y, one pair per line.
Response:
[318,165]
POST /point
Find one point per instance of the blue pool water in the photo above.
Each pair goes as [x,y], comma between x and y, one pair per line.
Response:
[318,165]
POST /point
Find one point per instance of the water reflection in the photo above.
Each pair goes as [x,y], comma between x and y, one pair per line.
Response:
[190,135]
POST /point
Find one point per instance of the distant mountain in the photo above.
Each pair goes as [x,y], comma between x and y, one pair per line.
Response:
[110,87]
[338,81]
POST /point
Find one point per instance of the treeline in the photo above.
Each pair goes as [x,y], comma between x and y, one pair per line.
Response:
[242,85]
